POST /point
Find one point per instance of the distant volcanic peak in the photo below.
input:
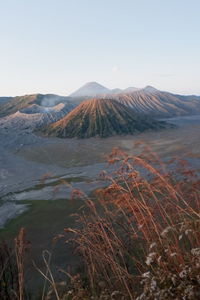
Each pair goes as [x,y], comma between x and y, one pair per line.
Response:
[94,84]
[100,117]
[94,89]
[91,89]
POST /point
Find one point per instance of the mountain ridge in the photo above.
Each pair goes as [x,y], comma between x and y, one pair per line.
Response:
[22,102]
[103,118]
[34,116]
[94,89]
[148,100]
[151,101]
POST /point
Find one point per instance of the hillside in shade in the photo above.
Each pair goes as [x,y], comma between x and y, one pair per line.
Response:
[34,116]
[157,103]
[101,117]
[15,104]
[4,99]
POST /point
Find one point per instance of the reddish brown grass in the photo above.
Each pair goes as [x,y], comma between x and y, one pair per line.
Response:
[139,238]
[146,220]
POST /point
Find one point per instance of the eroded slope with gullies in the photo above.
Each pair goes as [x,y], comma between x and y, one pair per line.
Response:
[156,103]
[101,117]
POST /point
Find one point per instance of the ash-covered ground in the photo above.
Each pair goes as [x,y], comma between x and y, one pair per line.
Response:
[26,158]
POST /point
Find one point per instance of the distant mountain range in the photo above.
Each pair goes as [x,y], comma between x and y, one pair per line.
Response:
[103,118]
[94,89]
[148,100]
[110,112]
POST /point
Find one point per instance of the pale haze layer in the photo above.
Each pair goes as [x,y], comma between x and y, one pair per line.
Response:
[55,46]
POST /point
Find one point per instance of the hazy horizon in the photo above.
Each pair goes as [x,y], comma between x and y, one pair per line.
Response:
[57,46]
[114,87]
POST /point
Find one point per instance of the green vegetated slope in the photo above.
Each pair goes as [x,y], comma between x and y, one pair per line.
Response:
[101,117]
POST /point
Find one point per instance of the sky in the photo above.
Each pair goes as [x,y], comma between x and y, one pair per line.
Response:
[55,46]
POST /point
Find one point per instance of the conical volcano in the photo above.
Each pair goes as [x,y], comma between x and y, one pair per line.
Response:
[101,117]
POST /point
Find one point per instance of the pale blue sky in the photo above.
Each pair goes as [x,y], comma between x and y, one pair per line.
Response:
[55,46]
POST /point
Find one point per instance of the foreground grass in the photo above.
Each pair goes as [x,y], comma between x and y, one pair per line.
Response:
[139,240]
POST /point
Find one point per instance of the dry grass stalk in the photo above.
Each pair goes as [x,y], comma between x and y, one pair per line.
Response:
[147,205]
[21,245]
